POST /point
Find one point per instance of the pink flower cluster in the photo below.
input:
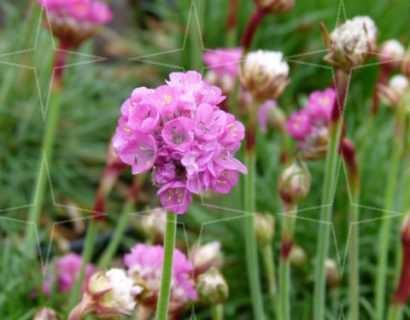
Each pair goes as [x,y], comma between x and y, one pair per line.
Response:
[91,11]
[144,265]
[179,130]
[223,61]
[309,126]
[67,269]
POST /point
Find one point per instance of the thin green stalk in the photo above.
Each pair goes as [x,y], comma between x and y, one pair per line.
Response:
[325,217]
[117,235]
[396,312]
[41,180]
[86,258]
[380,288]
[354,259]
[250,238]
[270,270]
[169,244]
[288,227]
[218,312]
[196,36]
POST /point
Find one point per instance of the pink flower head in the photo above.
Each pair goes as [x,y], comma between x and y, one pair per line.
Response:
[299,124]
[310,125]
[179,130]
[263,113]
[73,21]
[100,13]
[66,273]
[144,264]
[320,105]
[223,61]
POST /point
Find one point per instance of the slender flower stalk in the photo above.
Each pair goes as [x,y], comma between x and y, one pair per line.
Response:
[122,223]
[341,84]
[348,153]
[165,290]
[53,112]
[398,140]
[253,24]
[294,185]
[232,23]
[250,236]
[403,288]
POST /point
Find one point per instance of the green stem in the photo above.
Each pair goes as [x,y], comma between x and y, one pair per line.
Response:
[325,218]
[169,244]
[86,258]
[196,36]
[395,312]
[380,289]
[250,238]
[288,227]
[218,312]
[267,254]
[41,180]
[118,234]
[354,258]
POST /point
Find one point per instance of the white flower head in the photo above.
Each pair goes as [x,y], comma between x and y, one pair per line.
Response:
[393,93]
[391,52]
[352,43]
[265,74]
[122,289]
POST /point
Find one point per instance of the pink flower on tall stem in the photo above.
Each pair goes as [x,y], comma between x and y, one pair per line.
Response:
[179,131]
[144,265]
[309,126]
[73,21]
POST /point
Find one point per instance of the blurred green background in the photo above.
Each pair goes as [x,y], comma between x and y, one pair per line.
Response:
[90,108]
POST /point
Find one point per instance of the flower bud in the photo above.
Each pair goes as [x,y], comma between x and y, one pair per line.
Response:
[403,289]
[206,256]
[46,314]
[265,74]
[351,44]
[269,114]
[391,53]
[152,225]
[405,66]
[392,93]
[294,183]
[276,6]
[264,228]
[212,287]
[297,256]
[109,295]
[332,273]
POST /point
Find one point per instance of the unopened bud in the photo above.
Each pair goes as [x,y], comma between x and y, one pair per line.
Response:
[212,287]
[392,93]
[391,53]
[351,44]
[269,114]
[207,256]
[405,66]
[332,273]
[264,228]
[276,6]
[297,256]
[265,74]
[46,314]
[152,225]
[294,183]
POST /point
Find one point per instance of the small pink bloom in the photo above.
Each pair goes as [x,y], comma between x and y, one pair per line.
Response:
[225,181]
[68,267]
[320,105]
[144,117]
[51,5]
[100,12]
[139,152]
[223,61]
[209,123]
[234,131]
[179,133]
[175,197]
[79,9]
[299,125]
[164,174]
